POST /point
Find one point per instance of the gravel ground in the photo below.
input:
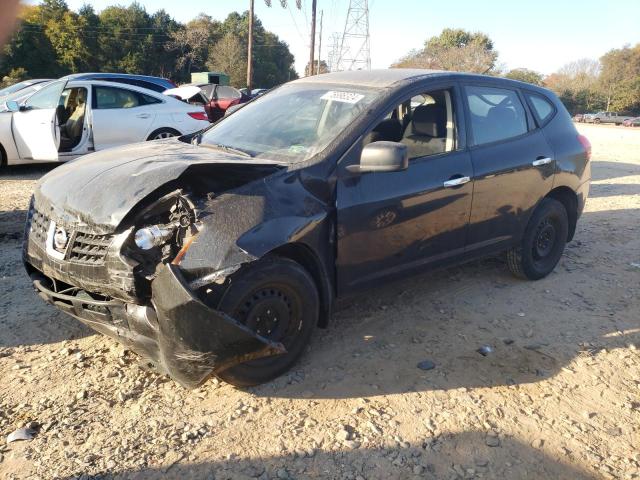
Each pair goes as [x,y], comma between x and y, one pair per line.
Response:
[558,398]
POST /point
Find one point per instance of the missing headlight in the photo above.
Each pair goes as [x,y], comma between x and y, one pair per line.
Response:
[162,229]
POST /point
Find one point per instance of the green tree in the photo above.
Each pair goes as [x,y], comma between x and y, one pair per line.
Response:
[191,44]
[324,68]
[65,35]
[53,40]
[164,27]
[126,39]
[454,50]
[53,10]
[525,75]
[30,48]
[620,79]
[577,85]
[89,36]
[272,60]
[14,76]
[229,56]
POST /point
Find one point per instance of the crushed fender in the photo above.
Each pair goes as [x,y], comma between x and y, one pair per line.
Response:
[196,341]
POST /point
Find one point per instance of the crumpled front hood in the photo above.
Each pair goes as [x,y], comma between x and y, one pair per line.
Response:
[101,188]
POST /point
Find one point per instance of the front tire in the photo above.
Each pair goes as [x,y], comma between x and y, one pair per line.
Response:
[543,242]
[277,298]
[163,133]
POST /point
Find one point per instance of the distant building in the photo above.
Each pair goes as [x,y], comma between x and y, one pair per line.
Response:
[219,78]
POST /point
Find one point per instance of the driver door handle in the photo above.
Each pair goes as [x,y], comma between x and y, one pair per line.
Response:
[143,115]
[454,182]
[541,161]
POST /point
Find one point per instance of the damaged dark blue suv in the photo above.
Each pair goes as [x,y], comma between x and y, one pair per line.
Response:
[219,253]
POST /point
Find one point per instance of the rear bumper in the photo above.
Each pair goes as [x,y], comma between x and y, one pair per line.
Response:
[179,335]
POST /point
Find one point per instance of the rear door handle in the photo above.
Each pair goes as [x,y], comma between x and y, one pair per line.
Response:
[143,115]
[454,182]
[541,161]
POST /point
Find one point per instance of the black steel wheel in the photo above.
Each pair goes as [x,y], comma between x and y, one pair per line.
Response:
[543,243]
[278,299]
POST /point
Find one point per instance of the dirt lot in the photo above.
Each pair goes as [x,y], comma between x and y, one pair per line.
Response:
[558,398]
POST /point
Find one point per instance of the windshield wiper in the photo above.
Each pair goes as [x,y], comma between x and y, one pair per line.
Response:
[226,148]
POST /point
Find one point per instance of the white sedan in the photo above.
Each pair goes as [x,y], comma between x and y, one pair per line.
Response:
[65,120]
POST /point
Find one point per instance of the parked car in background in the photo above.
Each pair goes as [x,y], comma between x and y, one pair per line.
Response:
[67,119]
[4,92]
[219,253]
[255,92]
[218,98]
[578,117]
[157,84]
[632,122]
[606,117]
[192,95]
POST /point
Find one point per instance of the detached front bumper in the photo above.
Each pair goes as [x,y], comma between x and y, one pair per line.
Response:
[179,335]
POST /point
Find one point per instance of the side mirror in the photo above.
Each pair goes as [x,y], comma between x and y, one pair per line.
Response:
[382,157]
[12,106]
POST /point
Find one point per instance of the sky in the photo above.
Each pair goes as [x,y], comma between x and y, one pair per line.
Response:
[541,35]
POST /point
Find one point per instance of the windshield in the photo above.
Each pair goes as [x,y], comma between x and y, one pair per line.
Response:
[290,124]
[25,93]
[13,88]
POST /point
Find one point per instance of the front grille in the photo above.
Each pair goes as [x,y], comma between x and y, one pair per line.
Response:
[88,248]
[39,227]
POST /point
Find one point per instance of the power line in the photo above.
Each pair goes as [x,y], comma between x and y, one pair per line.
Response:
[295,23]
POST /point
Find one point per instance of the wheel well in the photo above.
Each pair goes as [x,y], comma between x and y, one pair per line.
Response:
[303,255]
[568,198]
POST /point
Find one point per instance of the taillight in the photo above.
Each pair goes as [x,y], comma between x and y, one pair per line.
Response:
[586,144]
[199,115]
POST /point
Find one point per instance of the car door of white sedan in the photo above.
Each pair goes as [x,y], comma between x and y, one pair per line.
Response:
[35,127]
[120,116]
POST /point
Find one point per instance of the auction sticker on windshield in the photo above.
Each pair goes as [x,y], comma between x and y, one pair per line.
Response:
[345,97]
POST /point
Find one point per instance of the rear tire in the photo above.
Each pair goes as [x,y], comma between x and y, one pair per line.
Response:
[543,242]
[277,298]
[163,133]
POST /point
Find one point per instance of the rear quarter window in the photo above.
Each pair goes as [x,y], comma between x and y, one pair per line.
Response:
[541,106]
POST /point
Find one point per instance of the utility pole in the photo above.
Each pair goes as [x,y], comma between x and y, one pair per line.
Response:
[313,36]
[250,50]
[320,42]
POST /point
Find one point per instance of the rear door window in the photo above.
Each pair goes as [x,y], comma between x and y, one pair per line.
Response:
[495,114]
[208,89]
[223,91]
[111,97]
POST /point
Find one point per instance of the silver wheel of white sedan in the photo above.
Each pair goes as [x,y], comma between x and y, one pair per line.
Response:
[163,133]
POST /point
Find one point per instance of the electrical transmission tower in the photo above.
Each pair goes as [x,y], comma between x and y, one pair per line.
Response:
[355,51]
[334,51]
